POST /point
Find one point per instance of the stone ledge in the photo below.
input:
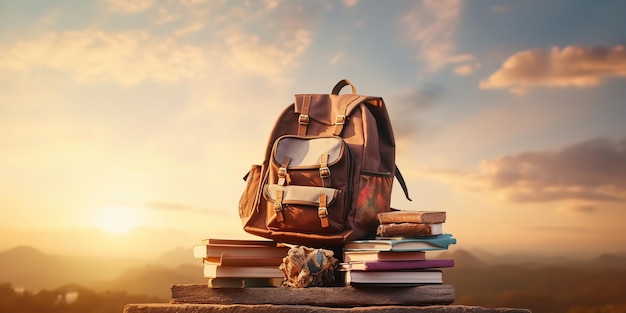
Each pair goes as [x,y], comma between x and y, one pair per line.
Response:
[317,296]
[270,308]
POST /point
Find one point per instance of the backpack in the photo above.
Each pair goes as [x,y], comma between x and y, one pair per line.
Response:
[328,171]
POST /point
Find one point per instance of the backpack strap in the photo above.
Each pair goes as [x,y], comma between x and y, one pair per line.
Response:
[402,183]
[303,119]
[340,119]
[322,211]
[324,170]
[342,83]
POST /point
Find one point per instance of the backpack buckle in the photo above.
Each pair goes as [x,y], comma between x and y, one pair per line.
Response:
[340,119]
[322,212]
[303,119]
[282,172]
[324,172]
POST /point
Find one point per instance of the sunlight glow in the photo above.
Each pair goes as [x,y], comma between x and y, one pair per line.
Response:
[116,219]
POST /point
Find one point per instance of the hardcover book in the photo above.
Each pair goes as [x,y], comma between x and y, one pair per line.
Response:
[412,216]
[409,230]
[240,242]
[394,278]
[251,251]
[373,255]
[243,282]
[216,271]
[230,260]
[398,265]
[438,242]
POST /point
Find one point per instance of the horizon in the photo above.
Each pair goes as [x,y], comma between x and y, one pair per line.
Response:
[148,255]
[128,126]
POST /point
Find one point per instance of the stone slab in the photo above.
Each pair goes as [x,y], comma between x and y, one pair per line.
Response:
[316,296]
[269,308]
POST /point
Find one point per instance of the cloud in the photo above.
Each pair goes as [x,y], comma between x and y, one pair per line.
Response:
[592,170]
[571,66]
[260,38]
[408,106]
[126,58]
[249,53]
[128,6]
[178,207]
[466,69]
[552,229]
[584,209]
[432,27]
[337,58]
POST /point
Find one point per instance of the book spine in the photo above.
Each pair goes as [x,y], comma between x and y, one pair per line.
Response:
[410,265]
[411,217]
[404,230]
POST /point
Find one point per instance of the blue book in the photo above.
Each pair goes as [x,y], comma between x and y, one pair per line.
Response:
[438,242]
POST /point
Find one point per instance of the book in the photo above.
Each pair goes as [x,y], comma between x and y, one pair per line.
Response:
[233,260]
[243,282]
[409,229]
[394,278]
[412,216]
[240,242]
[215,271]
[373,255]
[438,242]
[398,265]
[250,251]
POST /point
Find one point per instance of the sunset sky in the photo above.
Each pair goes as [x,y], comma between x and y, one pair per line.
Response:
[126,126]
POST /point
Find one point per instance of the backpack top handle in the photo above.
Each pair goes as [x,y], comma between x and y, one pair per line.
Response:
[342,83]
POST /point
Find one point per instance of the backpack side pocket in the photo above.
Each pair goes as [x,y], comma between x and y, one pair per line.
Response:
[374,197]
[250,197]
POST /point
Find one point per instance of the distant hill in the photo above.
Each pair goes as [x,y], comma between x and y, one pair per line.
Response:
[540,284]
[30,268]
[154,280]
[462,258]
[175,257]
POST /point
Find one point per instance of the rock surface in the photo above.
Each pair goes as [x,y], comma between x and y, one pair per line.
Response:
[202,299]
[269,308]
[316,296]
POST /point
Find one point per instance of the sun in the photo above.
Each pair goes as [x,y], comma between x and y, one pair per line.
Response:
[116,219]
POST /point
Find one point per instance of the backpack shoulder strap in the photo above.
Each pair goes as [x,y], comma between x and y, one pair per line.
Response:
[402,183]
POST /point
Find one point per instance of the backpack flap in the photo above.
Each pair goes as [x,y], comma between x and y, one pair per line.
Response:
[304,209]
[319,111]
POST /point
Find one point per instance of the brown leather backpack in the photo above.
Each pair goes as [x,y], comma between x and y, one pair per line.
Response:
[328,170]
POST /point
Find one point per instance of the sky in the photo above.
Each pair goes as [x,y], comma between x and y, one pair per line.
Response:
[126,126]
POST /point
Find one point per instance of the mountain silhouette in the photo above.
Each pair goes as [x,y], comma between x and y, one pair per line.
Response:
[462,258]
[30,268]
[544,285]
[155,280]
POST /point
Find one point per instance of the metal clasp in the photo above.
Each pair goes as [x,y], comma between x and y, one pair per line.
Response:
[324,172]
[303,119]
[340,119]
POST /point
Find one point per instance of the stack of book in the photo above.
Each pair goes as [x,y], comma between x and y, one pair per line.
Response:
[233,263]
[397,256]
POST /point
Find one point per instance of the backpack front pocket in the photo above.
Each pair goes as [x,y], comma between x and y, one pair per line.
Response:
[308,185]
[304,209]
[311,161]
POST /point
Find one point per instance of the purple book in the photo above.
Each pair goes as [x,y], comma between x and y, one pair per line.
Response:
[400,265]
